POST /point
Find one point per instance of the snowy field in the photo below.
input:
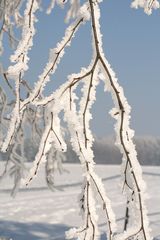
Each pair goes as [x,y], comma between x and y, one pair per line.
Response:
[37,213]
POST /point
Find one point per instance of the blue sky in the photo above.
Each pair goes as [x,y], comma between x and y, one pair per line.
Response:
[131,42]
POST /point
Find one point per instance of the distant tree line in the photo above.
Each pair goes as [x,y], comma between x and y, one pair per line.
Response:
[106,152]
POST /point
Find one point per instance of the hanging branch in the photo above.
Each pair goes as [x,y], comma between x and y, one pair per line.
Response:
[126,218]
[133,182]
[81,140]
[8,83]
[10,17]
[133,175]
[17,71]
[3,104]
[14,165]
[53,163]
[66,101]
[148,5]
[92,183]
[52,135]
[54,59]
[77,115]
[17,157]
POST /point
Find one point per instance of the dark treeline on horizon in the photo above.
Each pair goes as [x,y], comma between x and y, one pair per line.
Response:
[106,152]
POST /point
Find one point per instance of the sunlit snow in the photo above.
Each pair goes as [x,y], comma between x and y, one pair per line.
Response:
[37,213]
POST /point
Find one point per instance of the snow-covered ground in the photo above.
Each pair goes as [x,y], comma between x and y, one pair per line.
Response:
[37,213]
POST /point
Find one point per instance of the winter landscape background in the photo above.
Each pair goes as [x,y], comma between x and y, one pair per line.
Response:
[148,149]
[38,213]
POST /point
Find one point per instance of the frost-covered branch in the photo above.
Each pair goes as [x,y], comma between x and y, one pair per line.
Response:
[51,134]
[20,58]
[9,18]
[148,5]
[55,56]
[133,175]
[82,139]
[91,183]
[42,116]
[54,163]
[3,103]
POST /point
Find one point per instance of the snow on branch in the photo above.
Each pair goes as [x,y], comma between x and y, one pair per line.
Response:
[81,139]
[54,162]
[77,115]
[9,17]
[21,58]
[52,134]
[134,184]
[3,104]
[92,183]
[16,71]
[148,5]
[55,56]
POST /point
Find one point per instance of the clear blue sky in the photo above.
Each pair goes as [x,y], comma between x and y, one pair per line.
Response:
[132,46]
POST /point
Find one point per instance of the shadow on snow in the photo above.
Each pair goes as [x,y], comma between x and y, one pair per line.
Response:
[34,231]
